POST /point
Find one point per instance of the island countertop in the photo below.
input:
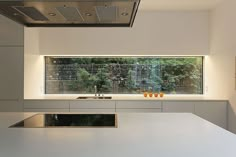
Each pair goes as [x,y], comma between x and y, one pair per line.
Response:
[137,135]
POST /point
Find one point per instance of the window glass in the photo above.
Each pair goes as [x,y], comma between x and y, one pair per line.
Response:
[123,75]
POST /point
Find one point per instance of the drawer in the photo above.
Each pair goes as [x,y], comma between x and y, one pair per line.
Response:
[46,110]
[52,104]
[93,110]
[139,110]
[138,104]
[94,104]
[178,106]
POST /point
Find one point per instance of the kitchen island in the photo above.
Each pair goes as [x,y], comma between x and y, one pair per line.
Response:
[137,135]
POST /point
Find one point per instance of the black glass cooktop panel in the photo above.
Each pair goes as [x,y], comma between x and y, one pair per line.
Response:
[68,120]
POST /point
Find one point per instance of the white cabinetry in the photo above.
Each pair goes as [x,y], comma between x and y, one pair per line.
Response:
[46,106]
[12,66]
[138,106]
[178,106]
[213,111]
[92,106]
[12,33]
[11,80]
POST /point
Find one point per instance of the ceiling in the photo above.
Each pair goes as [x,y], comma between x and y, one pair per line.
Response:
[178,4]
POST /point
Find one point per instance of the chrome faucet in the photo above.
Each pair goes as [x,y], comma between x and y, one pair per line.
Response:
[95,90]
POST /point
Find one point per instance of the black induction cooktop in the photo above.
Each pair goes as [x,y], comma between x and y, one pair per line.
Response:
[68,120]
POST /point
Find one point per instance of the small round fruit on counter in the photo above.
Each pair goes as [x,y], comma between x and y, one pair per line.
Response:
[161,94]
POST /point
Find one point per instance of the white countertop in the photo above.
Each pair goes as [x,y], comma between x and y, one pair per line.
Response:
[130,97]
[137,135]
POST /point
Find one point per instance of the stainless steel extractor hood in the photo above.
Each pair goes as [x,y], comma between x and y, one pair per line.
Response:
[71,13]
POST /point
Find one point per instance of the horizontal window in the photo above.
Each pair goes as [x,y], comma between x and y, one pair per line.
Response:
[123,75]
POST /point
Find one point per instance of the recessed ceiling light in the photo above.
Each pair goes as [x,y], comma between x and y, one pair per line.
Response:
[88,14]
[52,14]
[124,14]
[15,14]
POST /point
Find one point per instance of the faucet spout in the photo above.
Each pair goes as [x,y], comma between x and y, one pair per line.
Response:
[95,90]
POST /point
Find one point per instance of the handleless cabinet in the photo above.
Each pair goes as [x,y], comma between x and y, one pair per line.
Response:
[46,106]
[138,106]
[213,111]
[11,80]
[92,106]
[12,65]
[178,106]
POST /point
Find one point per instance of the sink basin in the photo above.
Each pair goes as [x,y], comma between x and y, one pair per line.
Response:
[94,97]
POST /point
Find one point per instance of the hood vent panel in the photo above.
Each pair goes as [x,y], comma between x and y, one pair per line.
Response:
[71,13]
[106,13]
[31,12]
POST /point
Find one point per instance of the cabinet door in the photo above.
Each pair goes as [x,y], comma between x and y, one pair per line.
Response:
[11,106]
[11,32]
[45,104]
[11,70]
[134,104]
[213,111]
[46,110]
[144,110]
[178,106]
[92,104]
[96,110]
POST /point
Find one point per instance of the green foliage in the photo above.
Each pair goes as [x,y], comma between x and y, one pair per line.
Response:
[176,75]
[85,81]
[130,84]
[103,82]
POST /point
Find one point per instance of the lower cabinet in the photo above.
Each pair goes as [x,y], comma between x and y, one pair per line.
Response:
[138,106]
[143,110]
[92,106]
[101,110]
[46,106]
[213,111]
[178,106]
[46,110]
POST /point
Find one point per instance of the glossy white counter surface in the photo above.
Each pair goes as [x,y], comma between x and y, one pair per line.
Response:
[130,97]
[137,135]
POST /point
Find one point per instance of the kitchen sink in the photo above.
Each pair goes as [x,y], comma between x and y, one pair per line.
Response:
[94,97]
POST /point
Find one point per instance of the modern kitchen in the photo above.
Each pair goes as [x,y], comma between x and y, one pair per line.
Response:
[117,78]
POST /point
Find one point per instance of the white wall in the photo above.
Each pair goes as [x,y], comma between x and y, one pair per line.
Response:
[221,69]
[153,33]
[33,65]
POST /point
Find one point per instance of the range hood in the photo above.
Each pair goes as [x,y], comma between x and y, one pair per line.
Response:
[71,13]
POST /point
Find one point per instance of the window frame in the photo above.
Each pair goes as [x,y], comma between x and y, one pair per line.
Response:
[202,78]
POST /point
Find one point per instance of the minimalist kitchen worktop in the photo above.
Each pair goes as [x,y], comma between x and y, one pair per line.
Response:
[130,97]
[138,134]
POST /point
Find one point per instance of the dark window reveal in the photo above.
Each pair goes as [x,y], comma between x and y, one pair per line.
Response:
[124,75]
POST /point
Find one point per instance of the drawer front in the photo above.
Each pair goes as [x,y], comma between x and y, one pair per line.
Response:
[139,110]
[178,106]
[93,110]
[46,104]
[46,110]
[214,111]
[11,106]
[134,104]
[94,104]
